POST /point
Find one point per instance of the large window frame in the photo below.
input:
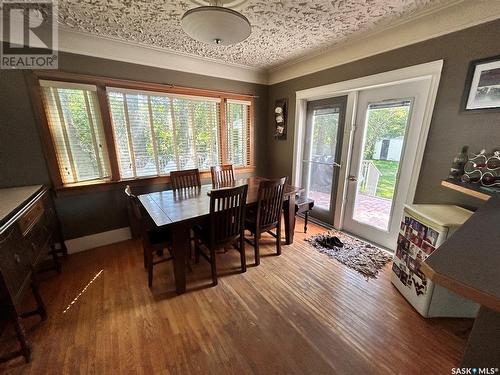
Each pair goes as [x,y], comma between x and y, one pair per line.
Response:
[103,84]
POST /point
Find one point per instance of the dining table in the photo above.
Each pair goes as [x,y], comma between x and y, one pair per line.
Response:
[180,210]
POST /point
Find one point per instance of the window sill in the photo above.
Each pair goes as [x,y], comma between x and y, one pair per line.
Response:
[95,186]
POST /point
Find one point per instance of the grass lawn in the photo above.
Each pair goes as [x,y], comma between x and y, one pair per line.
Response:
[387,180]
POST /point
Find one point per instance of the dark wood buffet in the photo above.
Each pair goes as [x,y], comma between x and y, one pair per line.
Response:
[29,230]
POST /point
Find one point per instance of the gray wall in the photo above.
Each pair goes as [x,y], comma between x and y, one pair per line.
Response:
[22,161]
[21,157]
[450,128]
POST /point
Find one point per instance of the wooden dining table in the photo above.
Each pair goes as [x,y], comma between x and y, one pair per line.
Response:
[179,211]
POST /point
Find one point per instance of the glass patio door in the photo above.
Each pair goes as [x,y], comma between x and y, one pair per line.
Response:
[388,123]
[322,151]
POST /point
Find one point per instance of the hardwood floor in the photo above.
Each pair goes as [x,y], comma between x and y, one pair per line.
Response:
[299,313]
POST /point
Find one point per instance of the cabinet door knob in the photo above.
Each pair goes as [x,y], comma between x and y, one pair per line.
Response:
[17,259]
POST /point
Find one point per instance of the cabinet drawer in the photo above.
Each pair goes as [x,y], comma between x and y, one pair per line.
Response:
[50,218]
[30,218]
[37,240]
[14,261]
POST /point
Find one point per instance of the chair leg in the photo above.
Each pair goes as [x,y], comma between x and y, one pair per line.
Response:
[256,248]
[306,216]
[55,259]
[242,253]
[278,238]
[150,267]
[196,251]
[213,267]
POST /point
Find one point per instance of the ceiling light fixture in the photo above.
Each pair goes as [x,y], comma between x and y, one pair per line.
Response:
[213,24]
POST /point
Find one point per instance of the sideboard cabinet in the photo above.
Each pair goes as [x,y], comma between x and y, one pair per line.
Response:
[29,230]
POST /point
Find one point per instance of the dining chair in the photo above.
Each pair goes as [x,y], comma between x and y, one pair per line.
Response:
[187,178]
[225,226]
[267,215]
[154,241]
[222,175]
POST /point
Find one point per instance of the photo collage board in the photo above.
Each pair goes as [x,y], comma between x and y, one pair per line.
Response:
[416,242]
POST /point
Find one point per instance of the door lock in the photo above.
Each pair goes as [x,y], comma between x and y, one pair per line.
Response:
[352,178]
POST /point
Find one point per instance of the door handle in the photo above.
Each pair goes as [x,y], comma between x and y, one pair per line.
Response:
[352,178]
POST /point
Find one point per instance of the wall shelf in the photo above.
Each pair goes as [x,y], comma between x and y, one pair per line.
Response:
[469,189]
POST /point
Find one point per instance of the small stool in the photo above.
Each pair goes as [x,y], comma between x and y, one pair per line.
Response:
[304,205]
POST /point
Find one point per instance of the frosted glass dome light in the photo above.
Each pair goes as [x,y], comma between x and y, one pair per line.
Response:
[216,25]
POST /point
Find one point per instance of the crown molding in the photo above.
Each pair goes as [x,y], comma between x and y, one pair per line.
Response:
[443,20]
[113,49]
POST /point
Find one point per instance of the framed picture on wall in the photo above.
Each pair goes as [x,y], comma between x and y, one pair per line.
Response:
[280,118]
[482,91]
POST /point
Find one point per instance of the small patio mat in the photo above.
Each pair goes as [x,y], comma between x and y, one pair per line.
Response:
[359,255]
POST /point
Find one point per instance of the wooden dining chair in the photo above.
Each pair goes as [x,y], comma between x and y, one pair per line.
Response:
[222,175]
[185,179]
[225,226]
[267,215]
[154,241]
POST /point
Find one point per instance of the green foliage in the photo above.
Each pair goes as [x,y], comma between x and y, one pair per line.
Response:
[384,123]
[206,135]
[387,180]
[325,134]
[77,120]
[235,120]
[162,125]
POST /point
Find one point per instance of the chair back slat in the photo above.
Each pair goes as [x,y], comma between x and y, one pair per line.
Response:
[185,179]
[134,203]
[140,223]
[227,214]
[222,175]
[270,202]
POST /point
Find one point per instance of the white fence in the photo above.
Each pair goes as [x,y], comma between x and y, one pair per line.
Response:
[370,176]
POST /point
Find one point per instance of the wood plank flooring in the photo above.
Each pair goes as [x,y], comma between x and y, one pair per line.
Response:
[299,313]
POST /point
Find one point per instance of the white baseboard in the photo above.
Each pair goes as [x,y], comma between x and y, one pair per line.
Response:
[76,245]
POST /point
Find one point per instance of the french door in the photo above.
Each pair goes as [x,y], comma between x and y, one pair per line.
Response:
[322,151]
[388,123]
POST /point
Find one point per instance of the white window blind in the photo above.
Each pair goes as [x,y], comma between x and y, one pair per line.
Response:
[156,133]
[238,132]
[76,128]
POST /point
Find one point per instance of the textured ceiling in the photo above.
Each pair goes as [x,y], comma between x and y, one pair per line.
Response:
[281,30]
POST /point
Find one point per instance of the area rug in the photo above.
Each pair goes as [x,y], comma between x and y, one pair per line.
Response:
[361,256]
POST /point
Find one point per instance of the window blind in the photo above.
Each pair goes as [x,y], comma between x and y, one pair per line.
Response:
[76,128]
[238,132]
[156,133]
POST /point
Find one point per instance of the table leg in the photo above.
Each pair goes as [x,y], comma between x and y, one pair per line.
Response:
[289,213]
[180,247]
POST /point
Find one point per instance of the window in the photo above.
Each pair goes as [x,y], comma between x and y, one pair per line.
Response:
[76,128]
[156,133]
[105,130]
[238,132]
